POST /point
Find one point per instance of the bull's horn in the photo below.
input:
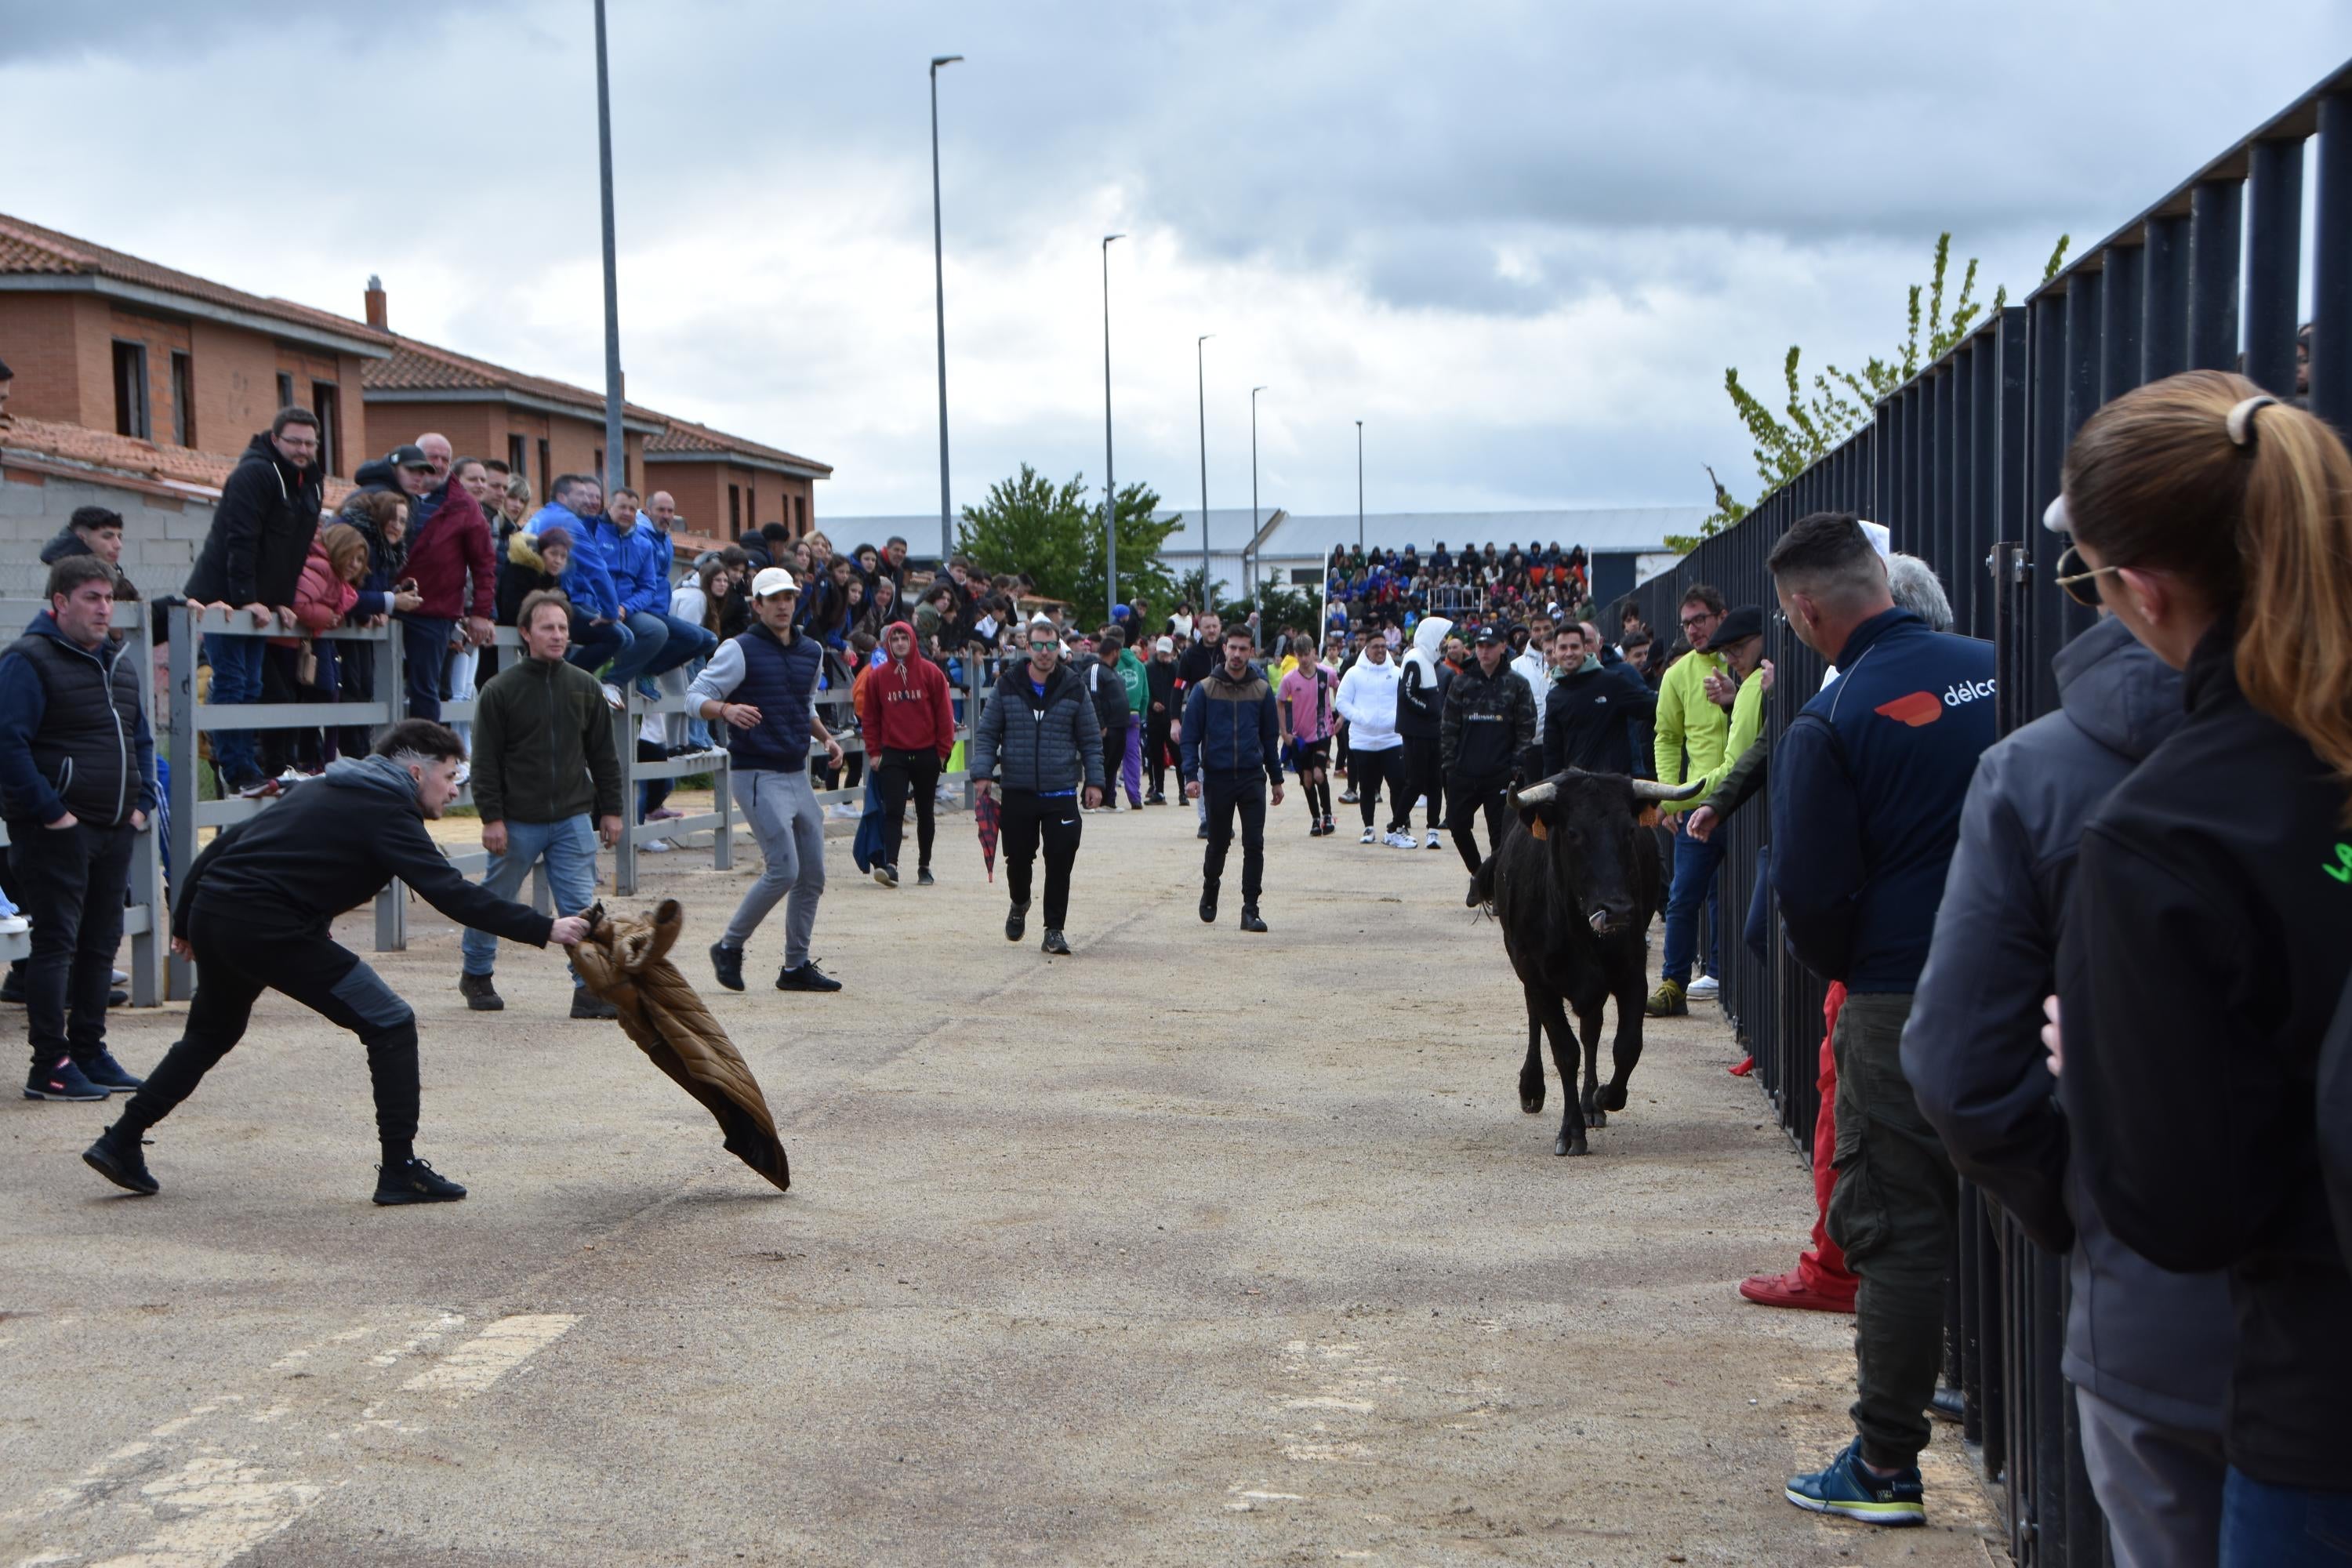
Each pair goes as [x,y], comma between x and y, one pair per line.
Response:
[1537,793]
[1651,789]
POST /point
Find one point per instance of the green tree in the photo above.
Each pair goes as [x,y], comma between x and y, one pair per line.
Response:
[1816,417]
[1029,523]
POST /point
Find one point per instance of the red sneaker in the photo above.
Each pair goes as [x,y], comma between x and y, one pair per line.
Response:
[1747,1064]
[1789,1289]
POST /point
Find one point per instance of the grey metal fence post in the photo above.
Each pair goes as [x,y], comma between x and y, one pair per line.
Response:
[187,765]
[148,947]
[392,904]
[624,745]
[722,848]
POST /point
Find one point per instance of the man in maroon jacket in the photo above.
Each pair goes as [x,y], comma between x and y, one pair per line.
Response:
[908,721]
[448,543]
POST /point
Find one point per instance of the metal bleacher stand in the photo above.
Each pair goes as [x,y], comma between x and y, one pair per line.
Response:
[144,919]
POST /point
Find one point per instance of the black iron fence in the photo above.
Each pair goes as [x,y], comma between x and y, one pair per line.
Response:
[1959,463]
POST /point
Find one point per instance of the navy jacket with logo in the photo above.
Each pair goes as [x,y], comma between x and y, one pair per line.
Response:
[1868,786]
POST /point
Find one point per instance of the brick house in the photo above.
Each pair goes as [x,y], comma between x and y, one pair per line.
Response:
[120,345]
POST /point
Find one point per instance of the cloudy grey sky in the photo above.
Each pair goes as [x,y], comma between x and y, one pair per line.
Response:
[1520,241]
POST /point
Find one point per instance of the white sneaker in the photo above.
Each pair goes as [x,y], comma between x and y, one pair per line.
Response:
[1368,838]
[1704,986]
[1434,843]
[657,846]
[612,695]
[1398,840]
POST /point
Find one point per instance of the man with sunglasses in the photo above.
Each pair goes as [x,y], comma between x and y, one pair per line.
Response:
[1692,727]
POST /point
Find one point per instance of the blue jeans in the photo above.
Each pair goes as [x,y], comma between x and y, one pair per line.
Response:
[569,847]
[424,651]
[236,677]
[2283,1527]
[592,645]
[1695,865]
[675,642]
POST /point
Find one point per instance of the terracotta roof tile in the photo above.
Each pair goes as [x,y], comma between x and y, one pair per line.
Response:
[684,435]
[28,248]
[78,446]
[416,366]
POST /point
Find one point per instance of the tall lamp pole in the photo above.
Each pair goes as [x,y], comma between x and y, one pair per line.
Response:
[939,296]
[1201,381]
[1249,573]
[616,458]
[1110,485]
[1360,487]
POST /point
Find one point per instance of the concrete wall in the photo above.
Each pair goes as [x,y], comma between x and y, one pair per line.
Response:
[161,534]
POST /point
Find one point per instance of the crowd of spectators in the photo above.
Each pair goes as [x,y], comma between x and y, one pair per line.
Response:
[1481,583]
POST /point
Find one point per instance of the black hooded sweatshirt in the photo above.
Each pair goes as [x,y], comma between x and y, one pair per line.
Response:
[2208,942]
[261,530]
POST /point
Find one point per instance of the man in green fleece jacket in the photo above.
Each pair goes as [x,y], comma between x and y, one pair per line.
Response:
[1693,720]
[543,759]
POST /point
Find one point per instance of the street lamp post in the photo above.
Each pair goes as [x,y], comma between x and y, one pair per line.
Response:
[1111,484]
[940,297]
[1249,571]
[1360,487]
[616,454]
[1200,382]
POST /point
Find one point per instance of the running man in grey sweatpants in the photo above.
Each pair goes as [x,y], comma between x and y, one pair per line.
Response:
[761,686]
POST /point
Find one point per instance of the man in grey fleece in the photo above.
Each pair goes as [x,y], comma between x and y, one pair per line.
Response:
[2147,1351]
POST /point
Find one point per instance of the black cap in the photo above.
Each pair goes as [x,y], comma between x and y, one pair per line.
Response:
[410,456]
[1490,632]
[1747,621]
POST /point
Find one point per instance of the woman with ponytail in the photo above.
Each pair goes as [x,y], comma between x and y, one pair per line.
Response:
[2210,931]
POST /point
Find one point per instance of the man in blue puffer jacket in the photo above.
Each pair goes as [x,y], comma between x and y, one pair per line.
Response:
[1868,783]
[601,631]
[1231,736]
[638,556]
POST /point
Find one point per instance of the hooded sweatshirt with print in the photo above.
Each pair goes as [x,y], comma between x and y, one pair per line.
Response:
[903,704]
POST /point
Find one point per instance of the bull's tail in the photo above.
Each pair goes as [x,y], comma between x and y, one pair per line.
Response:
[1482,886]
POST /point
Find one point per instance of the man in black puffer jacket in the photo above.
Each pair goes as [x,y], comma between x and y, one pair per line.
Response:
[252,559]
[1489,724]
[1039,734]
[78,785]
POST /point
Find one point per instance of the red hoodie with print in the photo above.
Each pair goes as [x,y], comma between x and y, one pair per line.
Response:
[903,706]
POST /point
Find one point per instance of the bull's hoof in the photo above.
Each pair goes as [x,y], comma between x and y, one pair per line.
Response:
[1596,1117]
[1613,1097]
[1563,1146]
[1531,1103]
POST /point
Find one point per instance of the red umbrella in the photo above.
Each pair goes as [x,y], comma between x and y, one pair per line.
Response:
[985,813]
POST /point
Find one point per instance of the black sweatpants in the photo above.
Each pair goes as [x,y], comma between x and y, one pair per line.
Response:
[899,774]
[235,963]
[69,883]
[1228,794]
[1155,749]
[1424,776]
[1368,771]
[1465,799]
[1027,819]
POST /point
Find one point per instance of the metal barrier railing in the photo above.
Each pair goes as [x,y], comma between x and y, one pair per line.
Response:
[146,918]
[1959,462]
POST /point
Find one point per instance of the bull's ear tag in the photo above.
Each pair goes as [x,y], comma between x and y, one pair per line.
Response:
[1541,828]
[1649,817]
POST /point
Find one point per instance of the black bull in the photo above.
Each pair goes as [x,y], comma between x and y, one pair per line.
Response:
[1574,885]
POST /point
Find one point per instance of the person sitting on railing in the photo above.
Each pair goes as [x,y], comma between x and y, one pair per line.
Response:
[77,786]
[254,913]
[535,564]
[544,762]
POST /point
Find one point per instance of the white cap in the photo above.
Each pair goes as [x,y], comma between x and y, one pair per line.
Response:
[1165,645]
[773,580]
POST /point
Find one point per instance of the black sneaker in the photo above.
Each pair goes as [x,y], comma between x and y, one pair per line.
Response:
[1055,944]
[118,1159]
[479,992]
[1016,923]
[118,999]
[109,1075]
[415,1183]
[885,875]
[1208,907]
[61,1079]
[728,963]
[1249,919]
[586,1004]
[806,977]
[1203,832]
[923,877]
